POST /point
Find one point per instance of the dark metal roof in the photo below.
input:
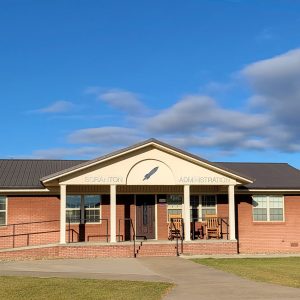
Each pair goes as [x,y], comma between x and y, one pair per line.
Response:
[268,175]
[26,173]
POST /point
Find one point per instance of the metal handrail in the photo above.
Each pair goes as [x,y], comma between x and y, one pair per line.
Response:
[133,232]
[84,221]
[181,233]
[225,220]
[13,235]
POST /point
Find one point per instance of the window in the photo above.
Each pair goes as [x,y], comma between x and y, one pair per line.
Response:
[83,208]
[2,210]
[200,206]
[267,208]
[174,205]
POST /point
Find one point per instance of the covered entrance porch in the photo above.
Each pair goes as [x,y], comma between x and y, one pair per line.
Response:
[138,192]
[145,213]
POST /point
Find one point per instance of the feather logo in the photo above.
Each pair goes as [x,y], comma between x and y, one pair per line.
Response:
[148,175]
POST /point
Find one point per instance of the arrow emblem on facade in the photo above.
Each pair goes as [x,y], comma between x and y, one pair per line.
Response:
[148,175]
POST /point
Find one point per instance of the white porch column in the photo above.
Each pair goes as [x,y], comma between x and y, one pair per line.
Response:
[231,203]
[113,213]
[186,213]
[63,196]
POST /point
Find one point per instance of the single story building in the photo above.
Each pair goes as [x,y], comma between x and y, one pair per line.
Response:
[124,203]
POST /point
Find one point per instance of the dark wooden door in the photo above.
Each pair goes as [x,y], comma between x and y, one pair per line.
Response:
[145,216]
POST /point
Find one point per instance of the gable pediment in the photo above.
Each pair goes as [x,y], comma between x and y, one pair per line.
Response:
[149,166]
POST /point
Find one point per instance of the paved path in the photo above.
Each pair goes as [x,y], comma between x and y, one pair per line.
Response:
[195,281]
[192,281]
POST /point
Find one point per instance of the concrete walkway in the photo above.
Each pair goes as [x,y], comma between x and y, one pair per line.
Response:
[193,281]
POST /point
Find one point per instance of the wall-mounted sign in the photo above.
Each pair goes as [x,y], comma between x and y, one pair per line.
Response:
[104,179]
[162,200]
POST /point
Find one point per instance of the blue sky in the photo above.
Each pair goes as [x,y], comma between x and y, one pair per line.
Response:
[218,78]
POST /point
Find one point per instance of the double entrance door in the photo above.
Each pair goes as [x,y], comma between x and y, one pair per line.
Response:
[145,216]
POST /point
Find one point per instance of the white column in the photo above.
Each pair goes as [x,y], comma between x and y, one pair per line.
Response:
[63,196]
[113,213]
[231,203]
[186,213]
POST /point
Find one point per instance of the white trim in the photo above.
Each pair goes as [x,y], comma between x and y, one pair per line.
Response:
[113,213]
[186,213]
[231,210]
[185,156]
[63,198]
[268,209]
[5,210]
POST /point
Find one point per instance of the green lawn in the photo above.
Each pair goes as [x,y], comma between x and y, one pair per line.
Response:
[29,288]
[283,271]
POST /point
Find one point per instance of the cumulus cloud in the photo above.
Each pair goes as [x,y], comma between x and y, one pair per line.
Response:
[122,100]
[269,120]
[56,107]
[60,153]
[105,136]
[276,86]
[194,113]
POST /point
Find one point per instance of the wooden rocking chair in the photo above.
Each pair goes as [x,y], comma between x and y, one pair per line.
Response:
[212,228]
[175,227]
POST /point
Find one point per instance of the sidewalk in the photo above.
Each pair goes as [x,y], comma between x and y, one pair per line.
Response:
[193,281]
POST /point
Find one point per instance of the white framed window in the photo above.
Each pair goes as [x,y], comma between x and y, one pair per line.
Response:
[268,208]
[174,205]
[83,208]
[3,210]
[202,205]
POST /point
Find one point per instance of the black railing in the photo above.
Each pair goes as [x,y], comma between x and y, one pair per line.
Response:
[224,221]
[82,222]
[177,233]
[130,233]
[28,234]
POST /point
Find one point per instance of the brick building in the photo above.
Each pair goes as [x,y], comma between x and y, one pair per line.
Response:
[124,203]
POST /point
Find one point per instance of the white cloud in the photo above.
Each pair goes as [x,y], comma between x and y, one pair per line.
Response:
[276,87]
[60,153]
[105,136]
[199,121]
[56,107]
[196,113]
[122,100]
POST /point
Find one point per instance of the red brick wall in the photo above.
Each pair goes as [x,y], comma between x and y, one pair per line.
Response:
[254,237]
[93,251]
[268,237]
[222,211]
[162,224]
[26,209]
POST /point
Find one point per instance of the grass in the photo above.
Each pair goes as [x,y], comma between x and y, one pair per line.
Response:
[30,288]
[282,271]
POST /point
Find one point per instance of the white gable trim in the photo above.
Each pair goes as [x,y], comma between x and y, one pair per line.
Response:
[158,146]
